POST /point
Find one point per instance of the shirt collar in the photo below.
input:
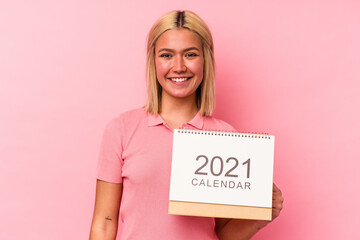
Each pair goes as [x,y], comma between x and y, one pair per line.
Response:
[197,121]
[154,120]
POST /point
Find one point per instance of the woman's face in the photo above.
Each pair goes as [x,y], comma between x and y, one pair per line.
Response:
[179,63]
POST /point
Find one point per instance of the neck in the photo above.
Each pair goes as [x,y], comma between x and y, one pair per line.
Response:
[177,111]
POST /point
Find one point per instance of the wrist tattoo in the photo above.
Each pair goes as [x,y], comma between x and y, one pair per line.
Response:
[108,218]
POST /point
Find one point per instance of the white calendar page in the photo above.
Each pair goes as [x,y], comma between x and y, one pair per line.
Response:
[231,169]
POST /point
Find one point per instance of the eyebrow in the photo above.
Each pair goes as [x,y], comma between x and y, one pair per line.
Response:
[185,50]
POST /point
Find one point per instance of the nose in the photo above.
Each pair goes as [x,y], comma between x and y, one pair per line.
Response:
[179,64]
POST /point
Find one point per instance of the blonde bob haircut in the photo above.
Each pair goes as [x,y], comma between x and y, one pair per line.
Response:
[205,94]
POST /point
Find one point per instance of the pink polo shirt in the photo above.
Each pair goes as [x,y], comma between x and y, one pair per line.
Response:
[136,151]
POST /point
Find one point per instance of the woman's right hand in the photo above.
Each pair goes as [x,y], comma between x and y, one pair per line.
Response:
[106,213]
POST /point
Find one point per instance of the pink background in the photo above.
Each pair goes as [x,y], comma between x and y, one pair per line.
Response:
[290,68]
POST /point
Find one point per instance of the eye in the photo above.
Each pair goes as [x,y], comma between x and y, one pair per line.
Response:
[165,55]
[191,55]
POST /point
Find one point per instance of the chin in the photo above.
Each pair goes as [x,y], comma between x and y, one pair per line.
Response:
[184,95]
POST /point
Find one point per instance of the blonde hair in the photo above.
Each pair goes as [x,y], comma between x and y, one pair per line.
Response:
[205,94]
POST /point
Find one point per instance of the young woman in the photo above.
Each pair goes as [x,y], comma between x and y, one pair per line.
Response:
[135,155]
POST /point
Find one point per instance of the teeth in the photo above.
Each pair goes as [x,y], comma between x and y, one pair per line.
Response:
[178,79]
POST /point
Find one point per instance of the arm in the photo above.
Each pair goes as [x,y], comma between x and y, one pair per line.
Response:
[107,204]
[242,229]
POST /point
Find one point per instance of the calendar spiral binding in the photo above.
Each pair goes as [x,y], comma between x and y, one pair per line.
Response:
[227,133]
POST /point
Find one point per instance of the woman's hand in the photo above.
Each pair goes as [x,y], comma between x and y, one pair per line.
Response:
[243,229]
[277,205]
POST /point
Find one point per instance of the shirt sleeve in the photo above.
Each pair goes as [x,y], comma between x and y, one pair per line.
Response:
[227,127]
[110,157]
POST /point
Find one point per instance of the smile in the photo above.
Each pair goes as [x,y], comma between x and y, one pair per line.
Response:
[179,79]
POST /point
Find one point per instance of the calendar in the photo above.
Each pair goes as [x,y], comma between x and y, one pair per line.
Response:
[221,174]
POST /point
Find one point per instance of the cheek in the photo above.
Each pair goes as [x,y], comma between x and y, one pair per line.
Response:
[197,68]
[161,68]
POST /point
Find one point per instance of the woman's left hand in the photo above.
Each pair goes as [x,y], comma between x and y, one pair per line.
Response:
[277,205]
[229,229]
[277,202]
